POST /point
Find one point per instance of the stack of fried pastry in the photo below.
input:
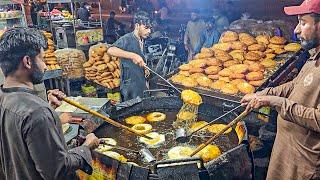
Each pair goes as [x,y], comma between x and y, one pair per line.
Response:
[49,57]
[238,63]
[71,61]
[102,68]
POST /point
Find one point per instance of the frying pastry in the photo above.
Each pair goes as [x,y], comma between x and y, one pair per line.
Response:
[251,56]
[206,50]
[278,40]
[269,51]
[197,125]
[237,81]
[225,79]
[261,54]
[103,147]
[256,67]
[263,39]
[268,63]
[275,46]
[230,63]
[239,56]
[185,73]
[228,36]
[180,152]
[213,62]
[279,51]
[229,89]
[257,47]
[212,70]
[247,62]
[209,153]
[247,39]
[198,63]
[237,76]
[115,155]
[191,97]
[204,55]
[245,88]
[155,142]
[185,116]
[189,82]
[254,76]
[293,47]
[214,77]
[256,83]
[196,75]
[196,70]
[239,68]
[270,56]
[222,47]
[219,84]
[178,78]
[142,128]
[215,128]
[225,72]
[223,56]
[204,81]
[185,67]
[156,117]
[237,45]
[133,120]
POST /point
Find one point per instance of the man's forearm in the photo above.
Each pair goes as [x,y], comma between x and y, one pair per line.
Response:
[117,52]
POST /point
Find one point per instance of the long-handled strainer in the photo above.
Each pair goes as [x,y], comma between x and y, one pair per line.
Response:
[232,123]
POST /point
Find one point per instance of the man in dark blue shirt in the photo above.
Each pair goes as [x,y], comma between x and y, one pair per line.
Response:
[130,49]
[83,13]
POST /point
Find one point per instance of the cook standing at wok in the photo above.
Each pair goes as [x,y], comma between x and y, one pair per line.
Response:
[130,48]
[296,150]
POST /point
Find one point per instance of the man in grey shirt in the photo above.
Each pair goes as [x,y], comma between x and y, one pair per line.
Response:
[195,28]
[32,145]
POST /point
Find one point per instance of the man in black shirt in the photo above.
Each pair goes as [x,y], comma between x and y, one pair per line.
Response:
[32,145]
[130,49]
[83,13]
[111,28]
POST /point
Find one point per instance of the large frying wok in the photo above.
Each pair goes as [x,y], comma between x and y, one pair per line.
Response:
[234,163]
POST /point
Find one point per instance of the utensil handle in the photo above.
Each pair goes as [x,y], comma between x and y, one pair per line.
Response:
[95,113]
[233,122]
[164,79]
[216,119]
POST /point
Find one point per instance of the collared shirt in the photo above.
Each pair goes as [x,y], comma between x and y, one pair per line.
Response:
[296,150]
[207,39]
[133,79]
[193,33]
[32,145]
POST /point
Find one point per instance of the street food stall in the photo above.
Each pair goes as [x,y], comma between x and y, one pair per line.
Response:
[70,32]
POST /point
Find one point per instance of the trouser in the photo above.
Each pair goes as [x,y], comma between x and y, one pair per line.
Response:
[132,90]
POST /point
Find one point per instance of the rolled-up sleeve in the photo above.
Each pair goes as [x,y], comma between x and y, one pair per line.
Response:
[48,151]
[283,90]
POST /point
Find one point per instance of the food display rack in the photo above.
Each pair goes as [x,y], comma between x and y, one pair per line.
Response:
[9,22]
[64,29]
[273,79]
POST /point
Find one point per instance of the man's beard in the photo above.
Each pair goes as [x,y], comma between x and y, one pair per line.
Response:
[37,75]
[309,44]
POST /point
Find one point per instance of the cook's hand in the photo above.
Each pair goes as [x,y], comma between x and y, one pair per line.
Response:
[260,101]
[55,97]
[247,98]
[137,59]
[91,141]
[146,72]
[65,118]
[186,47]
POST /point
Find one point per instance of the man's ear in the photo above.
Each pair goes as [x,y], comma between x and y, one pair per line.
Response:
[26,62]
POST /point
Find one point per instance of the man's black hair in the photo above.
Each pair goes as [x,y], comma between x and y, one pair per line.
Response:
[209,20]
[315,16]
[17,43]
[112,13]
[142,17]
